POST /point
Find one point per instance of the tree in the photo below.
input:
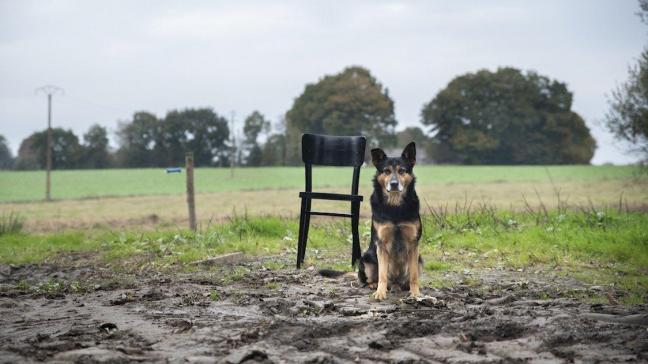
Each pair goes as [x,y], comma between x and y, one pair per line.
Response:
[6,159]
[627,117]
[417,135]
[66,150]
[137,139]
[95,148]
[351,102]
[254,125]
[147,141]
[200,131]
[274,151]
[507,117]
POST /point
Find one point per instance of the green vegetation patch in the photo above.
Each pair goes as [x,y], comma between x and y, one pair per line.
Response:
[606,248]
[22,248]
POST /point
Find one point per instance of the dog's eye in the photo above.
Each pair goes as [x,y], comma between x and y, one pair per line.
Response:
[401,171]
[387,171]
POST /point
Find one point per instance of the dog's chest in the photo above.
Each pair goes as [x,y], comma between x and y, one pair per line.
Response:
[399,237]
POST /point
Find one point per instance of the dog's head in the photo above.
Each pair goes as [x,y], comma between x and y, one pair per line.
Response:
[394,175]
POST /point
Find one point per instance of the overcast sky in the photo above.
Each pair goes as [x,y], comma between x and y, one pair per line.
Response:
[114,58]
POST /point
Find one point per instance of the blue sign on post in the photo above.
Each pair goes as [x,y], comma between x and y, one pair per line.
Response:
[174,170]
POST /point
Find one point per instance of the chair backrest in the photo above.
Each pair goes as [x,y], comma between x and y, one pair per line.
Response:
[329,150]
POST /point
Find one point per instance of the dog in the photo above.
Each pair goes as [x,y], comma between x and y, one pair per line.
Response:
[392,258]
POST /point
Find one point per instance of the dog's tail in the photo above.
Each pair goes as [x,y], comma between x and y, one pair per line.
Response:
[330,273]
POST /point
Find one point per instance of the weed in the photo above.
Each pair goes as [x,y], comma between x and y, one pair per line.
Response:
[634,299]
[214,295]
[470,282]
[235,275]
[436,281]
[22,285]
[272,285]
[11,223]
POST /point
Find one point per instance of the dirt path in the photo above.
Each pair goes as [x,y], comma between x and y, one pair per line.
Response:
[256,314]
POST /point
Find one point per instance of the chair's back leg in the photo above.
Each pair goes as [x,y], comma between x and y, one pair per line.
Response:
[355,220]
[301,242]
[306,228]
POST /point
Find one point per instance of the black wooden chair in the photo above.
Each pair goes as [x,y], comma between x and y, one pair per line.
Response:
[327,150]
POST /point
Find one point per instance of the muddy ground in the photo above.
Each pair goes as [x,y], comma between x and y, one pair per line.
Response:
[261,315]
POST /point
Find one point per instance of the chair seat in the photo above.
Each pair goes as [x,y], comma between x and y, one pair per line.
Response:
[330,196]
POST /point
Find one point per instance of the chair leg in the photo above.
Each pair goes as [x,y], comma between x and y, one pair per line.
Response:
[355,220]
[306,228]
[300,240]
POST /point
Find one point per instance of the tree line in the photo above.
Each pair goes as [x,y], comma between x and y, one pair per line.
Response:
[505,116]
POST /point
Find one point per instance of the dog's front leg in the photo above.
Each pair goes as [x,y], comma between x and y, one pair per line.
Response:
[383,266]
[413,268]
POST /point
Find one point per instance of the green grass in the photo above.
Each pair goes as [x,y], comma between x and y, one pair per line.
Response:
[29,185]
[22,248]
[519,240]
[606,248]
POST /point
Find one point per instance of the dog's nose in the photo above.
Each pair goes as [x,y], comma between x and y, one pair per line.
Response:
[393,184]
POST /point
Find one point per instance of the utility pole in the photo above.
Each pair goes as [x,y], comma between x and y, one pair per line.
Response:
[234,149]
[49,90]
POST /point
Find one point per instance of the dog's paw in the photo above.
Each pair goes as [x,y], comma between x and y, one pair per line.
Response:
[372,285]
[380,295]
[415,293]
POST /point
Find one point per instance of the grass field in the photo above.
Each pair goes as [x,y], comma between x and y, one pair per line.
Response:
[150,199]
[29,185]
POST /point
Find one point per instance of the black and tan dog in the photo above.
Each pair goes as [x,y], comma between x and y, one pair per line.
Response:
[392,258]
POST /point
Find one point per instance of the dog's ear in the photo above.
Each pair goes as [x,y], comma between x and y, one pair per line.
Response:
[377,156]
[409,153]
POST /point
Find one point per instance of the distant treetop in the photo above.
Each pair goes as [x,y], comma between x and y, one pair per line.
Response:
[507,117]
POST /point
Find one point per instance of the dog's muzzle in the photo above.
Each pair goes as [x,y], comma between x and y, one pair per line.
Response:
[394,185]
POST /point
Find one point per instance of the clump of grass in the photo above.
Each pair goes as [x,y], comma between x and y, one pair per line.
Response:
[11,223]
[436,265]
[214,295]
[235,275]
[272,285]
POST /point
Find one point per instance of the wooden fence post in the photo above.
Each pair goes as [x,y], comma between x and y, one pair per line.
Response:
[189,166]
